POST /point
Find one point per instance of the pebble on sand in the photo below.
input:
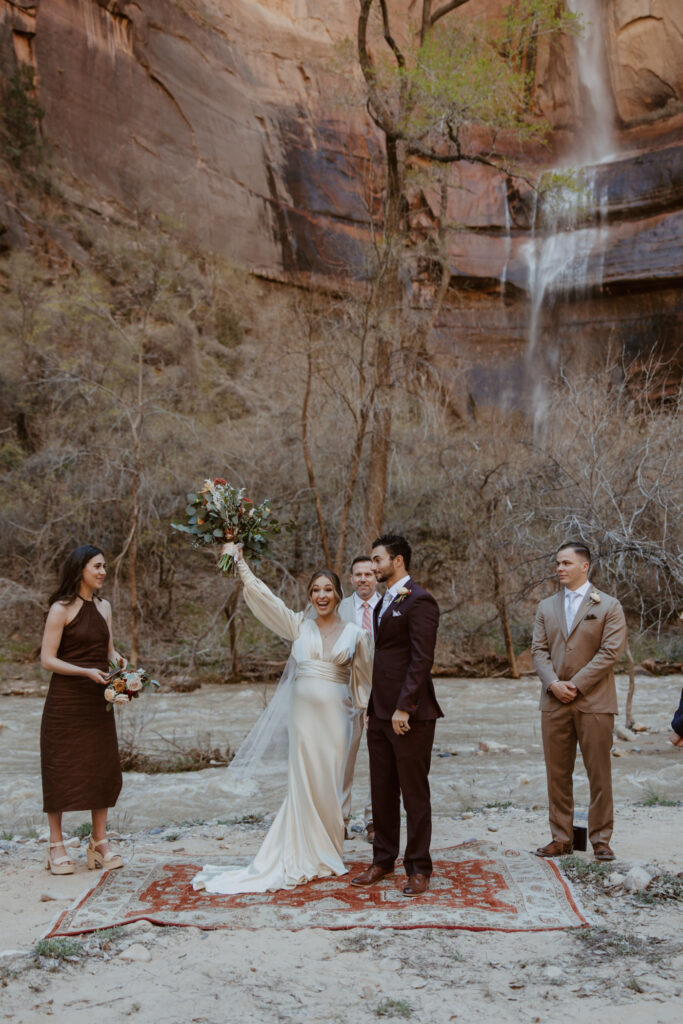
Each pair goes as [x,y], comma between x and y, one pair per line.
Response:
[636,879]
[137,953]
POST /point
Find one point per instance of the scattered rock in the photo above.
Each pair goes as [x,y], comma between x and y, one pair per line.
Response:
[391,963]
[623,733]
[493,828]
[636,879]
[552,972]
[139,926]
[467,814]
[47,897]
[183,684]
[523,780]
[419,983]
[491,747]
[615,879]
[639,727]
[137,953]
[618,753]
[74,841]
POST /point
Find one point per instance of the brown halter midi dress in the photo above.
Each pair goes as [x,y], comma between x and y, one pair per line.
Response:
[79,751]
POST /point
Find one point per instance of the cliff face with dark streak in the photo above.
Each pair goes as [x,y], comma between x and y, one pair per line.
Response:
[205,114]
[221,116]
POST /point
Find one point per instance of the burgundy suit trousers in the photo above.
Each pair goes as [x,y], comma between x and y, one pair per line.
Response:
[400,767]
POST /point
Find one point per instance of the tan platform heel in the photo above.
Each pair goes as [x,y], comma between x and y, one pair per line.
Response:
[107,861]
[58,865]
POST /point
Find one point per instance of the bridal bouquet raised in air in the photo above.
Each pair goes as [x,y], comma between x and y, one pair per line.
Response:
[123,684]
[220,513]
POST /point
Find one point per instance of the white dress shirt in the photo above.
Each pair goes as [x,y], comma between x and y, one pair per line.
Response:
[572,600]
[391,594]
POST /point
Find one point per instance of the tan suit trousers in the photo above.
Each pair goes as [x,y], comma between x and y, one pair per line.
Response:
[356,736]
[561,728]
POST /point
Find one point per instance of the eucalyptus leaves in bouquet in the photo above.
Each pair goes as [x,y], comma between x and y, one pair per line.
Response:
[220,513]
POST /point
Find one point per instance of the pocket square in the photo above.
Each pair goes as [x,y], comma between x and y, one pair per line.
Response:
[396,614]
[590,617]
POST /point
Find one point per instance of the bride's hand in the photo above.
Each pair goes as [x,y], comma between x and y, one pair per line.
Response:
[232,549]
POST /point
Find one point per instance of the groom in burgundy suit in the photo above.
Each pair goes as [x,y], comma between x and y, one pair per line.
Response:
[402,716]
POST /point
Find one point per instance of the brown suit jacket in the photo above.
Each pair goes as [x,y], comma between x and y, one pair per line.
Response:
[585,656]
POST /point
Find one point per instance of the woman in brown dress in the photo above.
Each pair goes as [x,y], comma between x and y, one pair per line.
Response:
[78,746]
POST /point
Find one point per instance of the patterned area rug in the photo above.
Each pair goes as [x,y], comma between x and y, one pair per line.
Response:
[476,886]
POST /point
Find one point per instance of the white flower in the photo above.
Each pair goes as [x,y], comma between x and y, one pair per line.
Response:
[403,591]
[134,684]
[110,694]
[595,597]
[121,698]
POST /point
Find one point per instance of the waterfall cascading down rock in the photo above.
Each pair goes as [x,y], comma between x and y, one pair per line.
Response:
[564,256]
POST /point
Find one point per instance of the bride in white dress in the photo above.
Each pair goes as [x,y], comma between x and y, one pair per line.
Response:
[332,674]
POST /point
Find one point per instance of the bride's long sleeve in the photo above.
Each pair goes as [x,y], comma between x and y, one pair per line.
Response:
[269,609]
[361,670]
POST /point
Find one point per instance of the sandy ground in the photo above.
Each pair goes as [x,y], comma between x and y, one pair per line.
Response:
[627,968]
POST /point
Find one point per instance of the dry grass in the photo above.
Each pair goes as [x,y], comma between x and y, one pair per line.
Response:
[193,759]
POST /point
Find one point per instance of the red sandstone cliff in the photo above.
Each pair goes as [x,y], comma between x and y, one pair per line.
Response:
[226,117]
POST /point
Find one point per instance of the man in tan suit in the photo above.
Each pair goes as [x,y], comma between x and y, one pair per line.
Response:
[359,608]
[578,636]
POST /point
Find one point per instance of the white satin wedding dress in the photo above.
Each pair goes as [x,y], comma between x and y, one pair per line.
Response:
[306,838]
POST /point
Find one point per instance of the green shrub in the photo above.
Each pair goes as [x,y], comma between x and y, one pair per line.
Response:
[59,949]
[21,116]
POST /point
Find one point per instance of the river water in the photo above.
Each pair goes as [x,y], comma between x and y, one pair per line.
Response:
[477,711]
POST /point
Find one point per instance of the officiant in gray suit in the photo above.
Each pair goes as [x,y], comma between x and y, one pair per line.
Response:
[359,608]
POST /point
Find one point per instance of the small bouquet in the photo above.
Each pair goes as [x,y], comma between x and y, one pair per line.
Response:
[221,513]
[124,684]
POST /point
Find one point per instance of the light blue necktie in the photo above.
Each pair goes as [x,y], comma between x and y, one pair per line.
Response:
[574,602]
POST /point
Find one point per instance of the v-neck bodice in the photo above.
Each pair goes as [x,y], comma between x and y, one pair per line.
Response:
[352,647]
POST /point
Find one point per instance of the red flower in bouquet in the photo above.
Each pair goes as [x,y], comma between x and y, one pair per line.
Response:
[125,684]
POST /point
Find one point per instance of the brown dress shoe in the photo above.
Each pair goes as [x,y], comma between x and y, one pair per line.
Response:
[417,884]
[554,849]
[375,873]
[603,851]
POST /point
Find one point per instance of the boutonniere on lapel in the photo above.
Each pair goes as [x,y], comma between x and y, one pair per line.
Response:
[401,594]
[595,597]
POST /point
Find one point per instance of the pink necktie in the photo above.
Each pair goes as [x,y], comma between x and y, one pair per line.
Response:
[366,622]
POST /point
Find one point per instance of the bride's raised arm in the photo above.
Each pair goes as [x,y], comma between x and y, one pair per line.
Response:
[269,609]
